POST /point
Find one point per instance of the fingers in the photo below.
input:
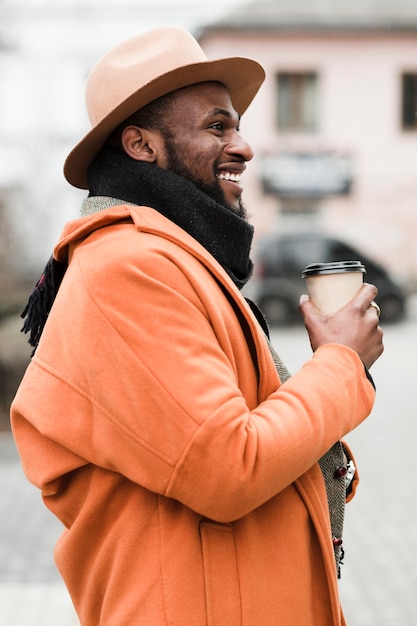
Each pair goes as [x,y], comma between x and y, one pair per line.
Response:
[366,295]
[355,325]
[376,307]
[371,305]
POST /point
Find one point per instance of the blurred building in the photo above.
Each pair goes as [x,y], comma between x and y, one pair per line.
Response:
[334,127]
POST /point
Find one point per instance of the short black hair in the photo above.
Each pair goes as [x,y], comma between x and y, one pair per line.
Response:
[152,117]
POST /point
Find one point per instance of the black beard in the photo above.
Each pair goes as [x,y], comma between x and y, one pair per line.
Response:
[214,190]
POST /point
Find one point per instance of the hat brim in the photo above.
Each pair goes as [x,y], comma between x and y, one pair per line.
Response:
[242,77]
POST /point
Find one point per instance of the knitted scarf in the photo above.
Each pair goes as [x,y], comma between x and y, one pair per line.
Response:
[224,234]
[113,174]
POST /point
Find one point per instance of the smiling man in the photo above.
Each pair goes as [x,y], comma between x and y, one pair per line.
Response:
[196,482]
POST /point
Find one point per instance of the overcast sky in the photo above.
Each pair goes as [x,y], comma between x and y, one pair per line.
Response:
[50,27]
[188,13]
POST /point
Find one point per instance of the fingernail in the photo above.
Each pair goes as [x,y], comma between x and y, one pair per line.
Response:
[303,298]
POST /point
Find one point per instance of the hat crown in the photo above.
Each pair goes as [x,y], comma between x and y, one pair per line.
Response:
[136,63]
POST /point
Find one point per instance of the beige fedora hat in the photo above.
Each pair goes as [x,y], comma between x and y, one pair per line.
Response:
[141,70]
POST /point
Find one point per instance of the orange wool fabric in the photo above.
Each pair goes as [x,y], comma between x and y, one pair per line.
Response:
[155,424]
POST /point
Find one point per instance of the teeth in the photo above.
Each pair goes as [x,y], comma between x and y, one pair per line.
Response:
[230,176]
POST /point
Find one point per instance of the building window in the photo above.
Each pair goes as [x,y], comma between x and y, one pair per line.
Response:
[297,101]
[409,101]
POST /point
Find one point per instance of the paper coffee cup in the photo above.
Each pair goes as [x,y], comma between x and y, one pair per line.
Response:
[332,285]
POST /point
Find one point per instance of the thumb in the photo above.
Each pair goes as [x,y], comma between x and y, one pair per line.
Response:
[306,305]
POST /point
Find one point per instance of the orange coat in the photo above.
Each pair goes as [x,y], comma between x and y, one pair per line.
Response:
[155,425]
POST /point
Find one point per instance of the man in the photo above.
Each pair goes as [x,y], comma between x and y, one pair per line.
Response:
[194,484]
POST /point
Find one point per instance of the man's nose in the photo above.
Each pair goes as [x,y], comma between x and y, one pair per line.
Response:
[238,146]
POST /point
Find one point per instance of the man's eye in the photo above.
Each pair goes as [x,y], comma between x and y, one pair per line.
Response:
[217,126]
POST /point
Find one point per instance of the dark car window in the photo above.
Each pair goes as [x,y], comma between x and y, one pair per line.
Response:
[294,254]
[340,252]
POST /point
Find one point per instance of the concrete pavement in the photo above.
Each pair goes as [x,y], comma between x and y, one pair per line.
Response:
[31,591]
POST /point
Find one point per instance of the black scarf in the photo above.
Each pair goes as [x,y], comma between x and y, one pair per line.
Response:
[224,234]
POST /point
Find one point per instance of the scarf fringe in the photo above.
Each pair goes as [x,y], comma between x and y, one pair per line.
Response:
[41,300]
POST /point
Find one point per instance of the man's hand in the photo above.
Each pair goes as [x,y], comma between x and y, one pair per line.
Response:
[356,325]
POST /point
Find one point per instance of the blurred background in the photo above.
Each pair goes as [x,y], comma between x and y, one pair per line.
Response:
[334,131]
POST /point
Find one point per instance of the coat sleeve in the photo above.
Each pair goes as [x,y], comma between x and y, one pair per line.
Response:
[148,389]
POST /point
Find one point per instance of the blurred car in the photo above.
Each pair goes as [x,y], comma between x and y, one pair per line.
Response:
[282,258]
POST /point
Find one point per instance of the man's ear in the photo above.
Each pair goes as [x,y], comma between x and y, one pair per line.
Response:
[140,144]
